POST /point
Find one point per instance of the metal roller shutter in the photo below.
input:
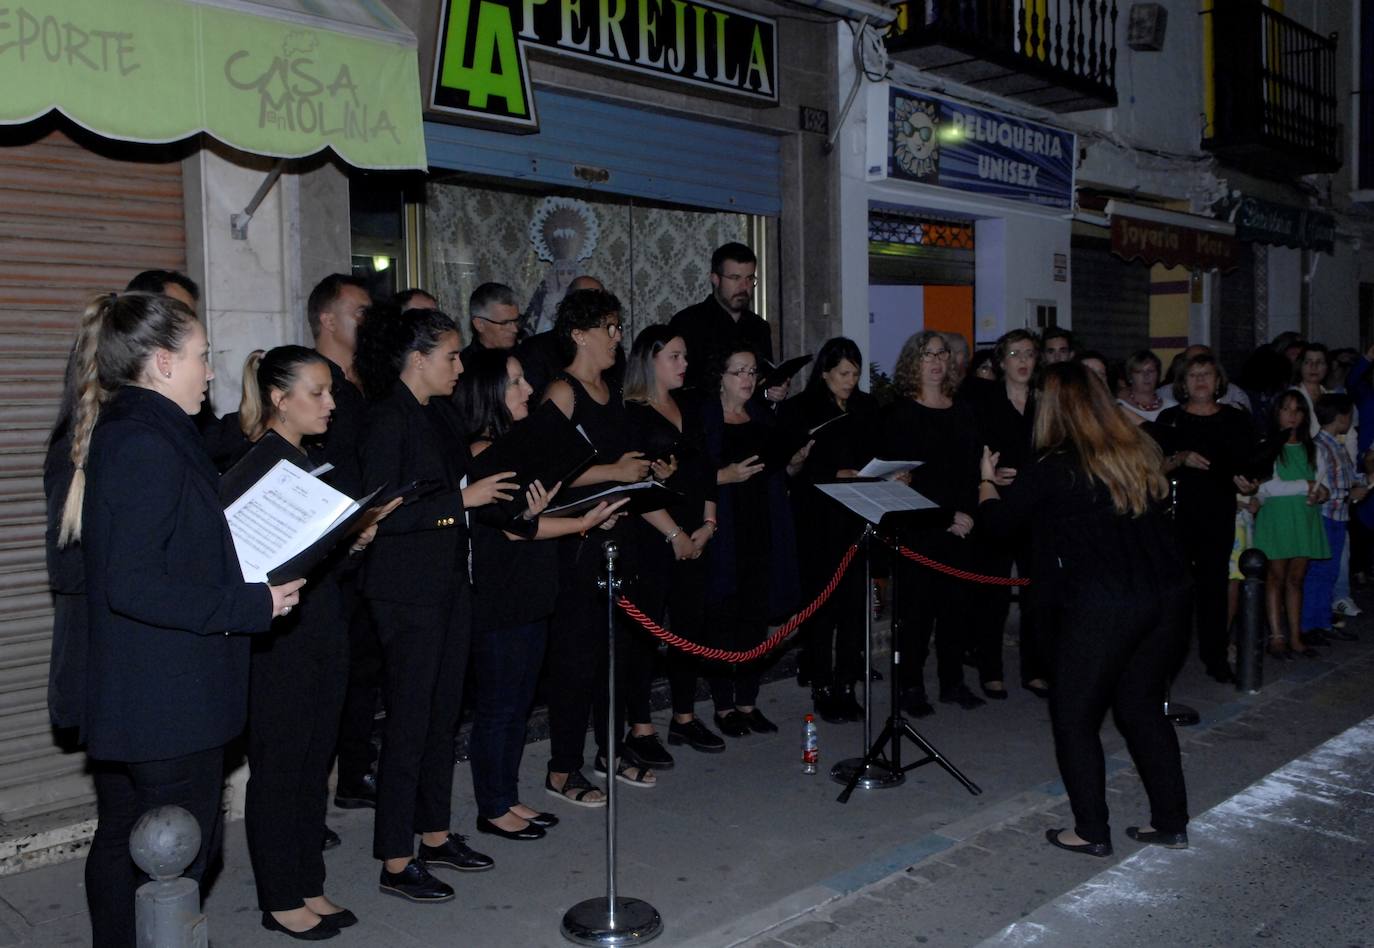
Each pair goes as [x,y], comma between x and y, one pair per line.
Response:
[1111,300]
[75,223]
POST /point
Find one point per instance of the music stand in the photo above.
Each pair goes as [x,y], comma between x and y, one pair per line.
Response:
[889,507]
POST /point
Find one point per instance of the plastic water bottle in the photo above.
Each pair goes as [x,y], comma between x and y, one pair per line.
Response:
[811,744]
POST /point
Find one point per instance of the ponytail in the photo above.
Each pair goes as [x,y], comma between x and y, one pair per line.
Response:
[251,405]
[90,395]
[117,335]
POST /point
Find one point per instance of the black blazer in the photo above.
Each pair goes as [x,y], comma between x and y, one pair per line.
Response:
[420,551]
[167,675]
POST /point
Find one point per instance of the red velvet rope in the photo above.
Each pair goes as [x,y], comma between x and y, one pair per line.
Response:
[980,578]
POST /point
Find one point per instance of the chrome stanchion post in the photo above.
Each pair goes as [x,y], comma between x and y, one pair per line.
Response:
[875,774]
[612,920]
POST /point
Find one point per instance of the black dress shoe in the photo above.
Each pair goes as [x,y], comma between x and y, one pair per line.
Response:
[996,694]
[1087,849]
[646,750]
[530,831]
[847,704]
[961,696]
[320,932]
[331,839]
[916,704]
[732,724]
[1156,838]
[415,883]
[340,919]
[758,723]
[455,854]
[357,796]
[543,820]
[826,705]
[696,735]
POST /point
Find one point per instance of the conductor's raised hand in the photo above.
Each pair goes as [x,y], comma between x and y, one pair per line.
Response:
[285,596]
[741,471]
[631,467]
[490,489]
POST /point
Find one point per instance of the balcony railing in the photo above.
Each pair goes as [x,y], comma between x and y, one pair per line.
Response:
[1275,80]
[1056,54]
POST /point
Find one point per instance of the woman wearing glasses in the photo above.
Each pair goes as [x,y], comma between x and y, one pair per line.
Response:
[588,328]
[1005,411]
[928,424]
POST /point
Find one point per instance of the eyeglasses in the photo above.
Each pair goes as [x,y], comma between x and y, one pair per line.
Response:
[749,278]
[613,329]
[743,373]
[930,355]
[1021,353]
[499,322]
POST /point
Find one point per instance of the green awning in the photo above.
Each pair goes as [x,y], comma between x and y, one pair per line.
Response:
[285,78]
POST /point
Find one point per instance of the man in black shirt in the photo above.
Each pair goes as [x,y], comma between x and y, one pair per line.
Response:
[494,318]
[724,317]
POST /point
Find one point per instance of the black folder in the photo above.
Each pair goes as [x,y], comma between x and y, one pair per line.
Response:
[775,373]
[261,458]
[645,497]
[302,563]
[546,447]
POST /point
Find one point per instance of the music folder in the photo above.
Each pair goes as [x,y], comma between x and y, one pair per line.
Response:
[644,496]
[287,522]
[775,373]
[546,447]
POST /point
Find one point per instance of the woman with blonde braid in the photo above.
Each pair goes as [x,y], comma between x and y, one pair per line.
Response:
[167,682]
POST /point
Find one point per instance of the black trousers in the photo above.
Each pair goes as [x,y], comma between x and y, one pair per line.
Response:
[738,623]
[297,685]
[124,792]
[672,593]
[575,667]
[929,603]
[356,755]
[1119,656]
[990,607]
[1206,543]
[835,633]
[505,671]
[425,649]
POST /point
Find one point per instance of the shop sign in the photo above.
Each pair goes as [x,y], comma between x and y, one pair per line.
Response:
[1171,245]
[1264,222]
[935,141]
[481,70]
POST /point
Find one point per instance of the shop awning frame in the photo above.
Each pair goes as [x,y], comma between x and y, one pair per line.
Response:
[1171,238]
[280,78]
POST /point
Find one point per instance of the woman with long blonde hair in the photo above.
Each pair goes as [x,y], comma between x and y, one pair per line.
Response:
[1104,559]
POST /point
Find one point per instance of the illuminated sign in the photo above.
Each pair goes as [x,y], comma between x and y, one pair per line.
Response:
[481,73]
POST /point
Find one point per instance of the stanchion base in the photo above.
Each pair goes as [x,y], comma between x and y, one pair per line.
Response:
[1181,715]
[876,776]
[589,922]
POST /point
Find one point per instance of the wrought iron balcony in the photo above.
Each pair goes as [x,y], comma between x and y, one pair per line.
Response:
[1056,54]
[1275,81]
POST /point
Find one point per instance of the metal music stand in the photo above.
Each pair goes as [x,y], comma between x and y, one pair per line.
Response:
[890,507]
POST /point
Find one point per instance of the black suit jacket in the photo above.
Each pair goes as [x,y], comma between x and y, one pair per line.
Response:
[708,329]
[420,551]
[168,676]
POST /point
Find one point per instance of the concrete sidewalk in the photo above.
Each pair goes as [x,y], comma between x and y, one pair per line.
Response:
[742,847]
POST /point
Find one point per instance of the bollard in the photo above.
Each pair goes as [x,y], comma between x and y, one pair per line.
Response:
[167,910]
[1250,626]
[613,920]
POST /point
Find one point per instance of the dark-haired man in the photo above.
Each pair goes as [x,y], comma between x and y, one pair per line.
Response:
[1057,345]
[414,298]
[724,319]
[335,310]
[171,283]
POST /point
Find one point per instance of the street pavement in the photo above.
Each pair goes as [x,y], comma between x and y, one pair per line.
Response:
[742,848]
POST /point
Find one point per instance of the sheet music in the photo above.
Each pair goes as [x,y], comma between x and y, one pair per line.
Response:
[281,515]
[880,468]
[873,499]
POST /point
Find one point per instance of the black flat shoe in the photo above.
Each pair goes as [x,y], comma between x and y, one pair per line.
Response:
[847,704]
[543,820]
[961,696]
[758,723]
[529,831]
[996,694]
[320,932]
[826,705]
[455,854]
[331,839]
[732,724]
[357,796]
[340,919]
[1087,849]
[415,884]
[646,750]
[1155,838]
[695,735]
[916,704]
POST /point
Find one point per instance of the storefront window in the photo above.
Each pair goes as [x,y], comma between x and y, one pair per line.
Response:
[381,253]
[655,258]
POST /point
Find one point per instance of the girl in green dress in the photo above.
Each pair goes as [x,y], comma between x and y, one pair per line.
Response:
[1288,528]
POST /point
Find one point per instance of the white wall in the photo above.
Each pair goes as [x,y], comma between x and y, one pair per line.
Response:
[895,313]
[1334,312]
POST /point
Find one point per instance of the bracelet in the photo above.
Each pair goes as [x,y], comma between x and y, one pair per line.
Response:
[712,522]
[987,480]
[668,537]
